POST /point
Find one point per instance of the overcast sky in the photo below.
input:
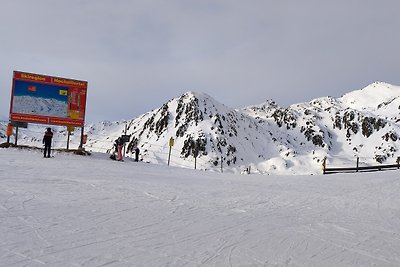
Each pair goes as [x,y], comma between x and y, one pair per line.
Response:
[136,55]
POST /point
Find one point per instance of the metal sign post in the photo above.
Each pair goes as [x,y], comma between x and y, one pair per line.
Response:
[70,130]
[171,144]
[68,135]
[82,134]
[16,136]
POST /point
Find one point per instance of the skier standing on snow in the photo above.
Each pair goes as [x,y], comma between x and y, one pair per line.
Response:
[137,154]
[48,136]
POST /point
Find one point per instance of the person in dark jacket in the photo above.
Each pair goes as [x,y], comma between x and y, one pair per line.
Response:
[137,154]
[48,136]
[114,153]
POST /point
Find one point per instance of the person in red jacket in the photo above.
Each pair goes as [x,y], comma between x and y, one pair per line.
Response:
[120,144]
[48,136]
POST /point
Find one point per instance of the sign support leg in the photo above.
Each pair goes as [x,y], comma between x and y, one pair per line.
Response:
[82,131]
[68,135]
[16,136]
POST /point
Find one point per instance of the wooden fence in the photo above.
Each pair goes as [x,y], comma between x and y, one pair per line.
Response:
[357,168]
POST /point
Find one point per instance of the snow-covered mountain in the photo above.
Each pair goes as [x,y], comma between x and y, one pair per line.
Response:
[40,106]
[267,138]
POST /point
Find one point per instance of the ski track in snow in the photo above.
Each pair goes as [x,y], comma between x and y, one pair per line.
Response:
[91,211]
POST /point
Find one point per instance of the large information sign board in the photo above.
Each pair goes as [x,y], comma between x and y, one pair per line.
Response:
[45,99]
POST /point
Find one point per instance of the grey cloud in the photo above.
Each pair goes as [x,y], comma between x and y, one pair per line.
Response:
[241,52]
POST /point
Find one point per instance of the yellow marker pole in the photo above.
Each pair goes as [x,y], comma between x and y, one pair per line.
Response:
[324,165]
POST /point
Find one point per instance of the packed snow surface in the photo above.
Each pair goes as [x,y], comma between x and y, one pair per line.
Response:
[90,211]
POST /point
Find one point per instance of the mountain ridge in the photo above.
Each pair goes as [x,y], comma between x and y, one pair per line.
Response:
[266,137]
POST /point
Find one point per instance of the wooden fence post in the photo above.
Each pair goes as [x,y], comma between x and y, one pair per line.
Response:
[358,161]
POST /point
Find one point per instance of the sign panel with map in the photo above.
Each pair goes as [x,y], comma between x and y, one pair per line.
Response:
[45,99]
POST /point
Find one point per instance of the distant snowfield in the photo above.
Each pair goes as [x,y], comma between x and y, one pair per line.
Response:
[90,211]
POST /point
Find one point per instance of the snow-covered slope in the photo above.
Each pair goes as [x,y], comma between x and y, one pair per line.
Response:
[266,138]
[90,211]
[373,97]
[40,106]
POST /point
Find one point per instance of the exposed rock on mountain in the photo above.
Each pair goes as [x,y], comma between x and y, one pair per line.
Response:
[266,137]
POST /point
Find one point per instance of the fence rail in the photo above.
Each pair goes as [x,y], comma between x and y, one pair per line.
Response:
[357,168]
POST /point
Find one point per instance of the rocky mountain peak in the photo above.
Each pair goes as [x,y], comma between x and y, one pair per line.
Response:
[267,137]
